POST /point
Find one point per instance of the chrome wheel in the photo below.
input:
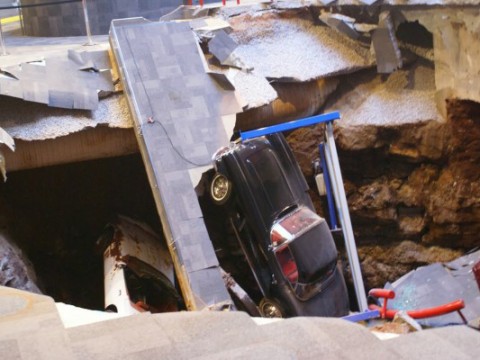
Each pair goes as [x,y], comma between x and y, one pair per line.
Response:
[270,309]
[220,189]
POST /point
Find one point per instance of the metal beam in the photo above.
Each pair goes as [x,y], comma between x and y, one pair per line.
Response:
[344,216]
[291,125]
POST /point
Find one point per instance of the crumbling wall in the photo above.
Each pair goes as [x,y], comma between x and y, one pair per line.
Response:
[413,193]
[409,157]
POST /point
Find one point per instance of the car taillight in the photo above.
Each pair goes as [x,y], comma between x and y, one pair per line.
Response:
[287,264]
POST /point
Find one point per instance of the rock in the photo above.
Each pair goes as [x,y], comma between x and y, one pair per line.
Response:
[16,271]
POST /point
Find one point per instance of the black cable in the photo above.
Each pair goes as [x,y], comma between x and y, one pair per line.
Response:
[36,5]
[151,120]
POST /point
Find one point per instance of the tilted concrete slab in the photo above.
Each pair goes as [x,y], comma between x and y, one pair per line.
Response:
[370,101]
[316,51]
[177,109]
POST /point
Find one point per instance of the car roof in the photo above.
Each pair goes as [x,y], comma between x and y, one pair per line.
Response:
[267,177]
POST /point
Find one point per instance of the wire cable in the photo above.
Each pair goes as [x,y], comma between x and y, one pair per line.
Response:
[152,120]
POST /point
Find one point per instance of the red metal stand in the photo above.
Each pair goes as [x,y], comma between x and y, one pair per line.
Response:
[443,309]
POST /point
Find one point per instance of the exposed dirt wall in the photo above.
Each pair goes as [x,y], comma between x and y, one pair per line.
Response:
[414,194]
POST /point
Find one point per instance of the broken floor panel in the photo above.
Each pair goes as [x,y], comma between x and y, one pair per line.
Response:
[58,73]
[313,51]
[369,101]
[438,284]
[31,121]
[177,109]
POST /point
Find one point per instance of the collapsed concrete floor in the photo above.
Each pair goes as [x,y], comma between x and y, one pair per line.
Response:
[409,156]
[411,173]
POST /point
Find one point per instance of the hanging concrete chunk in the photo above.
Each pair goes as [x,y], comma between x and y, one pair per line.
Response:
[387,52]
[7,140]
[222,46]
[341,23]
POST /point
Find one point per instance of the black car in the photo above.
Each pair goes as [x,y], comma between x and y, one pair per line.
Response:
[288,247]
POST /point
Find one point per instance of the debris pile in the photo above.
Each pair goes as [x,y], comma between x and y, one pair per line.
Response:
[410,125]
[407,148]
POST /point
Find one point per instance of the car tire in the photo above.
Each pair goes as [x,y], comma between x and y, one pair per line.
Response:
[271,309]
[220,189]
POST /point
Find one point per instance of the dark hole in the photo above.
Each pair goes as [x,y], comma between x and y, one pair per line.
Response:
[56,215]
[414,33]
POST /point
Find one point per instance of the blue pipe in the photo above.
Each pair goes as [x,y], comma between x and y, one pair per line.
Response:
[291,125]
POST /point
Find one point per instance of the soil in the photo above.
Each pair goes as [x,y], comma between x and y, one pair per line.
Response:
[415,207]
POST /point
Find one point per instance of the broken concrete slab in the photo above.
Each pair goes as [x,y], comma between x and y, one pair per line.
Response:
[34,76]
[291,103]
[438,284]
[368,101]
[319,50]
[341,23]
[385,45]
[7,140]
[24,49]
[206,26]
[456,44]
[252,90]
[255,90]
[177,108]
[30,121]
[222,46]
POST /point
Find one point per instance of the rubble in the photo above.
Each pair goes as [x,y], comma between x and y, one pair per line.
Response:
[16,271]
[32,76]
[410,158]
[437,284]
[383,263]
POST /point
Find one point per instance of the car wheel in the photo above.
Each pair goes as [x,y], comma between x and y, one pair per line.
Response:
[271,309]
[220,189]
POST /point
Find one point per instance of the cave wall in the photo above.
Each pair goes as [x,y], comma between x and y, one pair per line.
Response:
[408,145]
[415,198]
